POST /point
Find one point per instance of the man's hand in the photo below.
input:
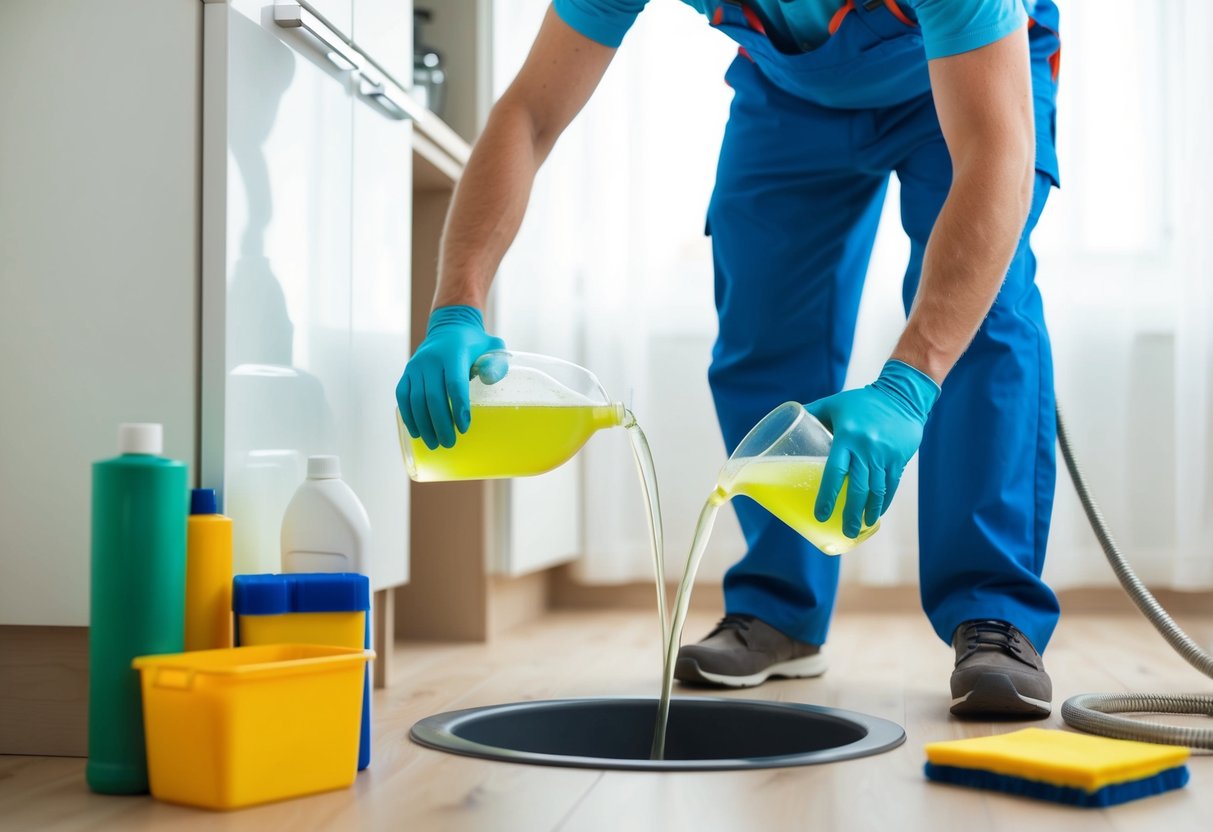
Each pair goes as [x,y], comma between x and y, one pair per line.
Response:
[433,392]
[876,431]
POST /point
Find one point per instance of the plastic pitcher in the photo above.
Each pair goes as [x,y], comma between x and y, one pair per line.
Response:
[779,465]
[530,414]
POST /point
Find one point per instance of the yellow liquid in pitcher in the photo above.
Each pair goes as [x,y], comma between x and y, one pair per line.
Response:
[787,487]
[509,441]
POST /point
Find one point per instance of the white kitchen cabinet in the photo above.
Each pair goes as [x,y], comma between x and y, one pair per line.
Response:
[260,311]
[283,289]
[306,177]
[379,325]
[98,274]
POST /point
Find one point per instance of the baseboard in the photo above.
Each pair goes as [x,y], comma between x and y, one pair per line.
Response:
[567,593]
[515,601]
[1112,599]
[44,691]
[498,604]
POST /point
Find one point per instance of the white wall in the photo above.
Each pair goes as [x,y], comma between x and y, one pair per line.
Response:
[99,131]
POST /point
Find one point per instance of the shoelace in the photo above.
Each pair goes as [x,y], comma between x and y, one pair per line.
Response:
[740,623]
[995,634]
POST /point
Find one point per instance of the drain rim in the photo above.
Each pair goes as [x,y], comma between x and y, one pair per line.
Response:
[438,732]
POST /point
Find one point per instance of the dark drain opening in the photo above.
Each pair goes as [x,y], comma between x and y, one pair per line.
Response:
[705,733]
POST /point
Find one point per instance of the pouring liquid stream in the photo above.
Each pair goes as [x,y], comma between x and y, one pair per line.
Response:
[787,487]
[652,503]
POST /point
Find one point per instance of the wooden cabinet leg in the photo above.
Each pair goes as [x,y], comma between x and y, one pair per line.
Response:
[385,635]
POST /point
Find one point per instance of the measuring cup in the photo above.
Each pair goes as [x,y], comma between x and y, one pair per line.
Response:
[779,465]
[530,413]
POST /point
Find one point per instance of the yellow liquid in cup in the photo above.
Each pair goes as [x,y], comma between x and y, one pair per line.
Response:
[509,441]
[787,487]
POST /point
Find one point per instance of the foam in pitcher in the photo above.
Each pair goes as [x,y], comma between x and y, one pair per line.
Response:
[527,385]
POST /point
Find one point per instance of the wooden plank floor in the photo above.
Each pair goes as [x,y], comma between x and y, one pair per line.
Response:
[888,665]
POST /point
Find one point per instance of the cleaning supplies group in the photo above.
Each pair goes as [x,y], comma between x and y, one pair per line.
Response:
[181,704]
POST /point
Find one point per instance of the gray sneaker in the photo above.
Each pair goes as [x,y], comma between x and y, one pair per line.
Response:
[744,651]
[998,673]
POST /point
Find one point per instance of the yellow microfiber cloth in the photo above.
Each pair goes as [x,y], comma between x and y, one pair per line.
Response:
[1059,766]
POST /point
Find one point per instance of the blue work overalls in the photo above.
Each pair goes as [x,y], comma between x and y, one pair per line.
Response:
[810,143]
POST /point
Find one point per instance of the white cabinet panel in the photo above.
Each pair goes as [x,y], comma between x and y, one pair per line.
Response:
[339,13]
[383,29]
[98,271]
[287,236]
[380,331]
[306,283]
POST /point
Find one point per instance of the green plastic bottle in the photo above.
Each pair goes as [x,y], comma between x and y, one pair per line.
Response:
[140,506]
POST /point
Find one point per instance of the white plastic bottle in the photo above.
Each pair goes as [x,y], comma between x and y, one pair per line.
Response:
[326,527]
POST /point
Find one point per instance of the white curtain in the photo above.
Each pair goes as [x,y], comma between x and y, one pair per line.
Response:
[1192,77]
[615,255]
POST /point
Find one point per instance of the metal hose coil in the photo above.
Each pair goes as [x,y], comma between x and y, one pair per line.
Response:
[1094,712]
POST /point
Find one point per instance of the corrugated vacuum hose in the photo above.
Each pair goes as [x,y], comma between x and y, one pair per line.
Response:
[1096,712]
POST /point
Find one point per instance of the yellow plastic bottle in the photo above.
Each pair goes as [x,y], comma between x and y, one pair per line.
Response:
[208,577]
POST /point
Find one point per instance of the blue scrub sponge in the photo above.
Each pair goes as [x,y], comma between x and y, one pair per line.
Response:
[1059,766]
[1164,781]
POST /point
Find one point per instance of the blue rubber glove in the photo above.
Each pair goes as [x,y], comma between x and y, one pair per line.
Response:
[876,430]
[433,392]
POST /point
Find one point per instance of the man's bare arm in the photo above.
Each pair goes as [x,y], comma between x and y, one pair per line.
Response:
[984,102]
[560,74]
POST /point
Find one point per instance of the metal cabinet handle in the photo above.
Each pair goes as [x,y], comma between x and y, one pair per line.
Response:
[383,94]
[294,16]
[372,84]
[377,90]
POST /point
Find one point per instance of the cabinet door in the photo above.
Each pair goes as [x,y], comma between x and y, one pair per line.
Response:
[380,331]
[99,218]
[339,13]
[286,283]
[383,29]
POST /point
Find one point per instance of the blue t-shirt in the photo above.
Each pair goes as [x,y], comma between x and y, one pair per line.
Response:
[949,27]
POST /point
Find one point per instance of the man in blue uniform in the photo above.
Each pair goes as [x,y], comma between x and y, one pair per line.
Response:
[957,98]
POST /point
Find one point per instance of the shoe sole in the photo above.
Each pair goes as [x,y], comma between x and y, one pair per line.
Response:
[995,695]
[809,667]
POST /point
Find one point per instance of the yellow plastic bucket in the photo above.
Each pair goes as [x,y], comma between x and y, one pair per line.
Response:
[246,725]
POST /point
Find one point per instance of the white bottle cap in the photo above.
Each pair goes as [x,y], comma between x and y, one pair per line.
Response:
[323,468]
[141,438]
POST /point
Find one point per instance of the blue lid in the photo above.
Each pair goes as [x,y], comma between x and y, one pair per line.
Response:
[301,592]
[203,501]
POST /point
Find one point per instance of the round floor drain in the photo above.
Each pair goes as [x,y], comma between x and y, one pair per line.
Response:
[705,733]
